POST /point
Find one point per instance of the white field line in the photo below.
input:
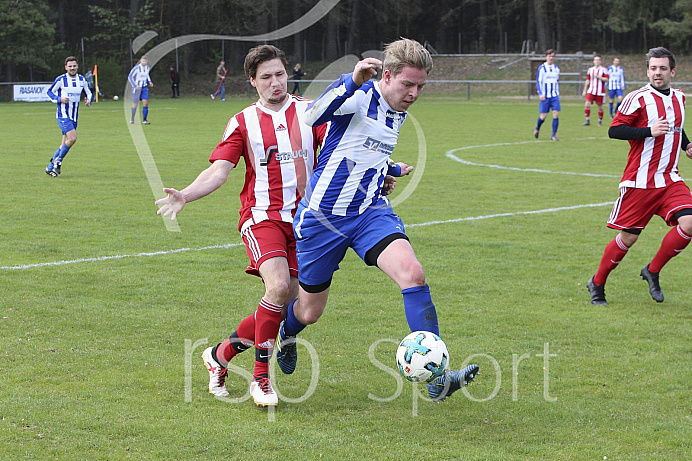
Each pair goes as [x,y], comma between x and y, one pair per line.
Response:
[450,154]
[232,245]
[106,258]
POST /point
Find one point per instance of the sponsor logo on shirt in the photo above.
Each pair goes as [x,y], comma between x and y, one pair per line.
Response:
[281,127]
[378,146]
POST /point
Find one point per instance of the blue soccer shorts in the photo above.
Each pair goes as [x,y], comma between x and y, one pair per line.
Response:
[613,93]
[322,240]
[141,94]
[549,103]
[66,125]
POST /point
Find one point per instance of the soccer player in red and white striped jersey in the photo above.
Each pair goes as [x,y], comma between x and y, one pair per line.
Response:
[595,90]
[279,151]
[652,119]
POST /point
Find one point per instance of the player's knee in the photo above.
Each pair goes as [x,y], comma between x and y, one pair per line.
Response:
[277,291]
[412,274]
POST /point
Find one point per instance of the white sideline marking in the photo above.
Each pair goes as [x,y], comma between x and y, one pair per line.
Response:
[106,258]
[450,154]
[232,245]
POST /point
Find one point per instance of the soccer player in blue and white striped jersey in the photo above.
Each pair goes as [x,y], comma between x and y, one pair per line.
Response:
[141,81]
[66,92]
[548,87]
[344,205]
[616,85]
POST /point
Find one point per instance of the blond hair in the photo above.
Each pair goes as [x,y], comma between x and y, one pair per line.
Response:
[406,52]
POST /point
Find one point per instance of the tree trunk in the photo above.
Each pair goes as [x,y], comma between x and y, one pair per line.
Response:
[541,17]
[353,34]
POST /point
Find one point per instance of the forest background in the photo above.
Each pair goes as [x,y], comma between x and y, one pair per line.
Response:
[37,35]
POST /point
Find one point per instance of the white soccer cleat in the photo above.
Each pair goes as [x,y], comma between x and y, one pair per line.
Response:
[263,393]
[217,374]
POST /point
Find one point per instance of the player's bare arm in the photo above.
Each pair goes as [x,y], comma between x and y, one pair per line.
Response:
[365,70]
[207,182]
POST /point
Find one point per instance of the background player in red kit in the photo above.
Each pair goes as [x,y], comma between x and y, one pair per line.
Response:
[595,90]
[279,151]
[651,118]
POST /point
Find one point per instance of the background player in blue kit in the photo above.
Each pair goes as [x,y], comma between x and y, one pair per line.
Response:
[616,85]
[548,87]
[343,206]
[141,81]
[66,92]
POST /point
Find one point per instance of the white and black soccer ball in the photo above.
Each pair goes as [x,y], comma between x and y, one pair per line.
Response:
[422,356]
[115,98]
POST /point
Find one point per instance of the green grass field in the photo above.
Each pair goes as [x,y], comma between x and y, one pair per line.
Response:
[104,311]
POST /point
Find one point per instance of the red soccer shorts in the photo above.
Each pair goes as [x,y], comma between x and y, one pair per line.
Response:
[593,98]
[270,239]
[635,207]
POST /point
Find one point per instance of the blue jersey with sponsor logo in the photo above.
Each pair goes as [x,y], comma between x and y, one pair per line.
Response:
[548,80]
[139,77]
[72,87]
[354,158]
[616,80]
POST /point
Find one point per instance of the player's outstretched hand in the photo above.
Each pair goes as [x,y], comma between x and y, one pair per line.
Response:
[405,169]
[659,127]
[365,70]
[688,151]
[171,204]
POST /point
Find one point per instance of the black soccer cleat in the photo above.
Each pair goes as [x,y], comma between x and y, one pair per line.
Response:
[654,287]
[536,133]
[450,382]
[597,293]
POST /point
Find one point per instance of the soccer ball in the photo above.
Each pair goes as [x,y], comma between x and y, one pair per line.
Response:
[422,356]
[115,98]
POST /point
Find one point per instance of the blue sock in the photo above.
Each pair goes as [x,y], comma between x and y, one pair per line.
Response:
[617,106]
[145,112]
[292,325]
[539,123]
[556,122]
[63,152]
[134,111]
[611,110]
[420,310]
[56,155]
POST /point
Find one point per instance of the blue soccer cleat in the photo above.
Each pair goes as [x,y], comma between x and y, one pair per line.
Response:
[450,382]
[286,352]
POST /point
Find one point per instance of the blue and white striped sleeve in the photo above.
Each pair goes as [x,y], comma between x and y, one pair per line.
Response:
[86,89]
[539,79]
[323,108]
[132,76]
[53,91]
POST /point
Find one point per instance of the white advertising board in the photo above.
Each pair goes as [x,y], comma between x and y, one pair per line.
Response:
[31,92]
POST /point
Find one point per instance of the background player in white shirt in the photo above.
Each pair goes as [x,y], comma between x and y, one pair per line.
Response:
[344,208]
[279,151]
[616,85]
[548,88]
[652,119]
[595,90]
[141,81]
[66,92]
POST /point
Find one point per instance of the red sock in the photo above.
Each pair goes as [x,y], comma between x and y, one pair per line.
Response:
[587,113]
[241,340]
[673,243]
[612,256]
[600,115]
[268,319]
